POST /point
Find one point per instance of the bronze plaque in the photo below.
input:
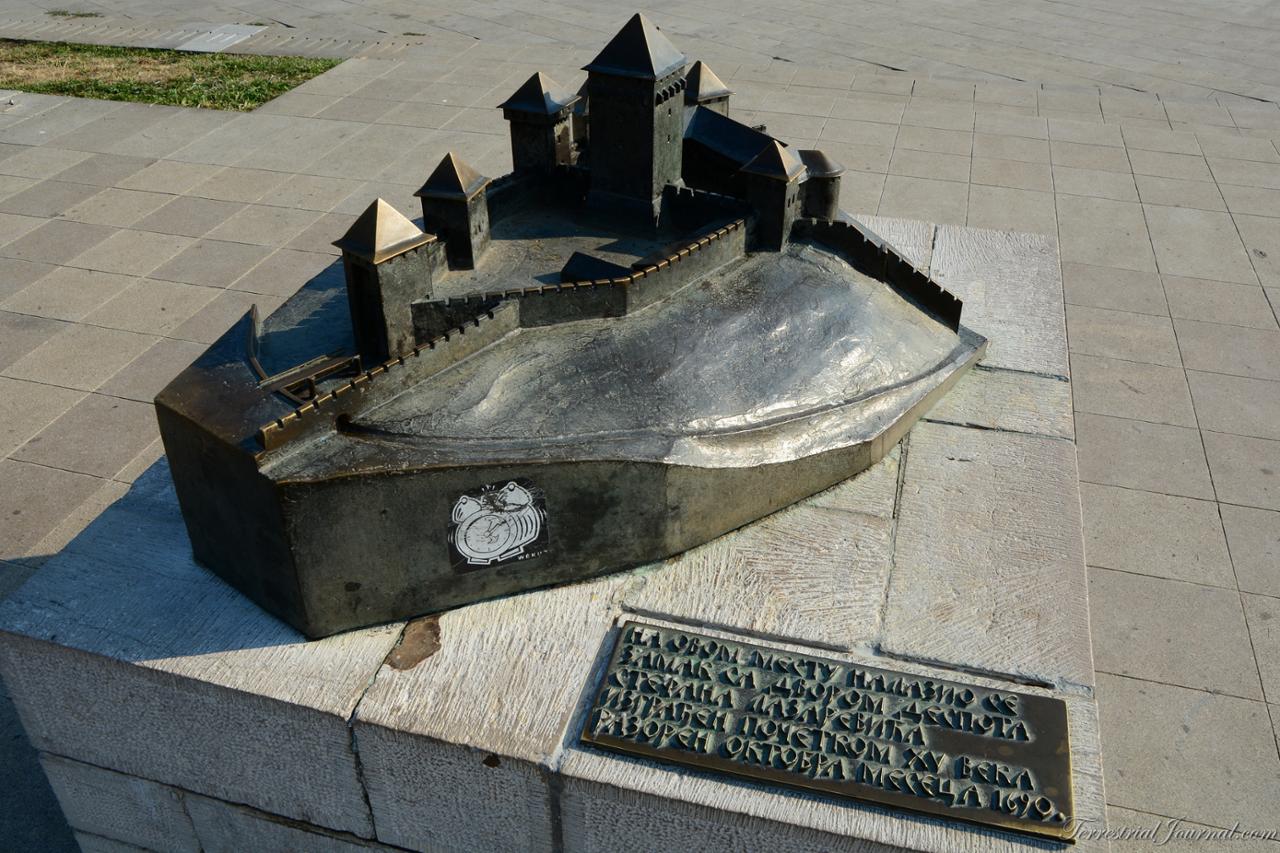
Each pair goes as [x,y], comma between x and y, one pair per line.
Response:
[958,751]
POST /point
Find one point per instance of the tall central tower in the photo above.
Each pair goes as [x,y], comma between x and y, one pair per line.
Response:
[636,111]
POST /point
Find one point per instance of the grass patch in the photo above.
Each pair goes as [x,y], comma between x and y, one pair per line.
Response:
[217,81]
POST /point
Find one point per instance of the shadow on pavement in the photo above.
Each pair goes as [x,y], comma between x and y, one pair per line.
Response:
[30,820]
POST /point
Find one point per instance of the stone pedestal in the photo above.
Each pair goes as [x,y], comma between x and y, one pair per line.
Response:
[172,714]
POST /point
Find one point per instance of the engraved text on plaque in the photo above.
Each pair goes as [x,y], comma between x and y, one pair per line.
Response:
[959,751]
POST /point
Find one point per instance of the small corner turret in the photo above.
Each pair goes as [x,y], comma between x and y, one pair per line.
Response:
[774,178]
[388,266]
[454,207]
[705,89]
[822,190]
[539,114]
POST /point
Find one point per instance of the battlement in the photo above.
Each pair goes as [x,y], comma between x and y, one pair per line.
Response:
[493,315]
[392,376]
[603,297]
[688,206]
[873,256]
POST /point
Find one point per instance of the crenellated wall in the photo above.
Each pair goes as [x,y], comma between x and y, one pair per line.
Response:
[688,208]
[605,297]
[468,324]
[391,377]
[876,258]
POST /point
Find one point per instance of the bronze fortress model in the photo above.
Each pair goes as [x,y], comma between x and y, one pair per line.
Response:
[659,327]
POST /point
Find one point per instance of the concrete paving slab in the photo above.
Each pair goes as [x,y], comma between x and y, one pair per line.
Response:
[1131,389]
[1114,289]
[1104,233]
[1172,632]
[131,252]
[211,263]
[1153,731]
[1158,535]
[67,293]
[151,307]
[1123,335]
[1233,350]
[34,500]
[1139,455]
[81,357]
[1244,469]
[1254,537]
[98,435]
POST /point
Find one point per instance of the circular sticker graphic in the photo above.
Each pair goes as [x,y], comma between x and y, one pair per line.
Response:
[496,525]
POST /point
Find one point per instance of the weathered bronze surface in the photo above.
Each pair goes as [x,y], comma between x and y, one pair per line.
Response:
[959,751]
[658,328]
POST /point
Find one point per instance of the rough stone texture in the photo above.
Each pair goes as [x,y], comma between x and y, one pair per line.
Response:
[30,817]
[503,681]
[467,732]
[97,844]
[808,573]
[1010,401]
[1012,291]
[228,828]
[989,564]
[110,809]
[151,652]
[125,808]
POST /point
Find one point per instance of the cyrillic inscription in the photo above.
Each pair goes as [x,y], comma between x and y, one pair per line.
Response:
[972,753]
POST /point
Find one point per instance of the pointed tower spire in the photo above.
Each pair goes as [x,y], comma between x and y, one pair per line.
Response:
[453,178]
[777,162]
[539,114]
[774,179]
[540,95]
[706,89]
[381,233]
[638,50]
[636,120]
[385,273]
[455,206]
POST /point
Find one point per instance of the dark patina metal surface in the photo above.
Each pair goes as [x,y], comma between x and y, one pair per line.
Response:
[960,751]
[646,336]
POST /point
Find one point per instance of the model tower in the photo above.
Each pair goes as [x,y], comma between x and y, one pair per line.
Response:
[454,206]
[388,267]
[705,89]
[637,117]
[539,113]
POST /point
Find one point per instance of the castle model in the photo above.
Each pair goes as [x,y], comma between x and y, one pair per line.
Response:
[657,328]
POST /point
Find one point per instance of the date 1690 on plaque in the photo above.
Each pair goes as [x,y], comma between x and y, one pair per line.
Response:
[959,751]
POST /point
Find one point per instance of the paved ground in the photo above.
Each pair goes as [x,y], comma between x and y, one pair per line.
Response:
[131,236]
[1175,47]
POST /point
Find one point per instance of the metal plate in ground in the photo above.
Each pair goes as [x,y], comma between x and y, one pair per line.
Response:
[960,751]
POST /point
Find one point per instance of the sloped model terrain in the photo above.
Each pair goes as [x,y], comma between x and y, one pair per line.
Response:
[659,327]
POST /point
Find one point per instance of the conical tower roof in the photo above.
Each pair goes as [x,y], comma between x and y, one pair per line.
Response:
[638,50]
[381,233]
[704,85]
[776,161]
[539,95]
[453,178]
[819,164]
